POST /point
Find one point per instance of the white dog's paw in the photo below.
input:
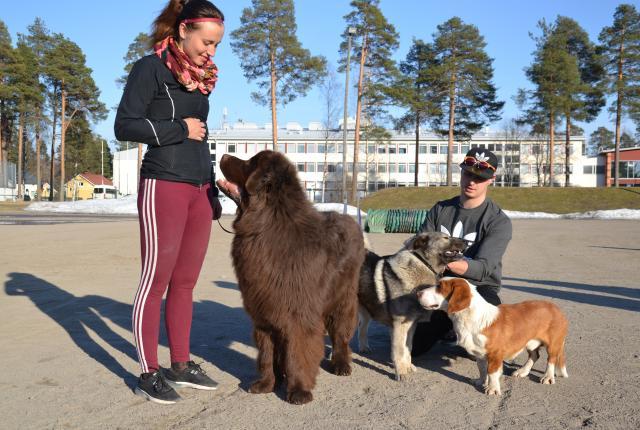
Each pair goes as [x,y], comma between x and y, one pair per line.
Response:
[403,370]
[493,391]
[548,379]
[521,373]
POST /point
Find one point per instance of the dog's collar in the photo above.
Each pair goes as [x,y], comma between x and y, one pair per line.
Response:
[426,263]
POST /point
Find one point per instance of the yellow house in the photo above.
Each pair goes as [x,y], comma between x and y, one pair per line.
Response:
[84,186]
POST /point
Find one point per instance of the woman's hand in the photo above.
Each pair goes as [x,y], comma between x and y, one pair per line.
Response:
[197,128]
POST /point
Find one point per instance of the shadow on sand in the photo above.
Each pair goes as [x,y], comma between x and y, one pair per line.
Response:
[632,303]
[215,326]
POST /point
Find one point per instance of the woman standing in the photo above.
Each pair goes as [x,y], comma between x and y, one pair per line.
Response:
[165,105]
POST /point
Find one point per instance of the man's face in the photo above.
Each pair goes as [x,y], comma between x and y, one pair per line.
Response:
[473,186]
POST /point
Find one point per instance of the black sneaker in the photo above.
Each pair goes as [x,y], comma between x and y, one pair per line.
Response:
[154,387]
[193,376]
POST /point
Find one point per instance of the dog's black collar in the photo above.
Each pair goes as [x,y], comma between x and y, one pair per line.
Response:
[426,263]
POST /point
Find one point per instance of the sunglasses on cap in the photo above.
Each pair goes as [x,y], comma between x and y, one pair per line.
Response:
[478,164]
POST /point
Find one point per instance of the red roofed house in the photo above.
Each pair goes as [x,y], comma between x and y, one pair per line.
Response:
[87,185]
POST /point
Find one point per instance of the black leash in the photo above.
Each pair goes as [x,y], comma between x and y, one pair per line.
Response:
[230,232]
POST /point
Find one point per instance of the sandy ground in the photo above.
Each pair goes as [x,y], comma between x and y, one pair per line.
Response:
[68,359]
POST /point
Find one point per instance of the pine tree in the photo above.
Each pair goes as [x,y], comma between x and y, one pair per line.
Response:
[552,70]
[7,92]
[372,47]
[140,47]
[271,54]
[39,40]
[600,140]
[465,71]
[621,46]
[27,97]
[68,74]
[415,90]
[582,95]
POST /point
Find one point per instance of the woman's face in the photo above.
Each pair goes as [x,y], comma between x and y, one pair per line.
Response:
[200,43]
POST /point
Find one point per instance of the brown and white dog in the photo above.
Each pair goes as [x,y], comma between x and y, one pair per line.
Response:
[496,333]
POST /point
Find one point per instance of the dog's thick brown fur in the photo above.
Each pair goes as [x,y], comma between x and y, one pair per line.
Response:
[297,270]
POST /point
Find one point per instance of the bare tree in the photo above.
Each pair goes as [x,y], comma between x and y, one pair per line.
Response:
[330,91]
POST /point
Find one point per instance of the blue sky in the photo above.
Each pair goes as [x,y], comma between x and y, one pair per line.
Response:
[105,29]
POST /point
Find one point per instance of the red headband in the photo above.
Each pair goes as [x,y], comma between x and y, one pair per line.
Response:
[194,20]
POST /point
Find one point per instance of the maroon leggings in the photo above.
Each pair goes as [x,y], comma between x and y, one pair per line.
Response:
[175,225]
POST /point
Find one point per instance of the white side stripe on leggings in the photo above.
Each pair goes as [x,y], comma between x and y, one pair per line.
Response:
[149,265]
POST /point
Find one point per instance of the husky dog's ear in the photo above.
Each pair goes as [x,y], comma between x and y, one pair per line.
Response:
[457,293]
[419,241]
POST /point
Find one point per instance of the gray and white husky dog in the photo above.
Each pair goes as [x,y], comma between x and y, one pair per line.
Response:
[388,286]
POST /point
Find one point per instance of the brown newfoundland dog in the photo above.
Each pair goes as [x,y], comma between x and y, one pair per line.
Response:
[297,270]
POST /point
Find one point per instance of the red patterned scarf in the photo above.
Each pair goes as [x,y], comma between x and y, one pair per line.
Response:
[188,74]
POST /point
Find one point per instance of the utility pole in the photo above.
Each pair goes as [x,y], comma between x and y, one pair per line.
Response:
[350,32]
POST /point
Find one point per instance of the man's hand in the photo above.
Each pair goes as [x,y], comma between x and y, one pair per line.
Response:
[458,267]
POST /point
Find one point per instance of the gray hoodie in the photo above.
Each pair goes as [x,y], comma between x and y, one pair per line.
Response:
[487,229]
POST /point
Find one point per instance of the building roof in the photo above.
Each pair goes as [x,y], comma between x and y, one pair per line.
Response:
[608,151]
[96,179]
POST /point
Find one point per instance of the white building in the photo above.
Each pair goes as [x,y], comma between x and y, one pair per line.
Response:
[125,170]
[391,163]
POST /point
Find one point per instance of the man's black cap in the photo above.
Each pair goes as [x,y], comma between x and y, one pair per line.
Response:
[481,154]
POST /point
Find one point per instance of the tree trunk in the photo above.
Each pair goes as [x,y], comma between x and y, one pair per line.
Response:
[552,136]
[616,157]
[53,145]
[356,136]
[274,116]
[567,153]
[63,129]
[38,173]
[452,109]
[20,150]
[415,177]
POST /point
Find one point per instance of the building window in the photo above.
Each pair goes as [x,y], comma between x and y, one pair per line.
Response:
[382,168]
[311,167]
[444,149]
[331,148]
[402,168]
[393,167]
[282,147]
[392,149]
[212,145]
[382,149]
[231,148]
[300,167]
[412,168]
[311,148]
[402,149]
[422,149]
[371,149]
[301,149]
[331,167]
[464,148]
[433,149]
[291,148]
